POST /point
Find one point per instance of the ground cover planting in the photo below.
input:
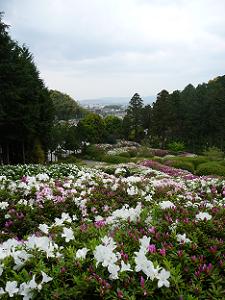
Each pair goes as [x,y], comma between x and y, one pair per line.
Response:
[131,231]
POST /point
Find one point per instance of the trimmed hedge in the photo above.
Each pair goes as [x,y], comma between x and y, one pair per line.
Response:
[184,165]
[116,159]
[211,168]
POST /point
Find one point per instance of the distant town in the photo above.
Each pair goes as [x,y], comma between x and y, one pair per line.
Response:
[106,110]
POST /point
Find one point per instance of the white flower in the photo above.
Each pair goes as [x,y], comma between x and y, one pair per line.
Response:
[109,242]
[104,254]
[145,265]
[125,267]
[81,253]
[25,291]
[45,277]
[203,216]
[20,257]
[148,198]
[144,241]
[4,205]
[113,270]
[2,292]
[42,177]
[132,191]
[43,243]
[68,234]
[64,218]
[74,218]
[44,228]
[33,284]
[11,288]
[162,276]
[1,269]
[182,238]
[166,204]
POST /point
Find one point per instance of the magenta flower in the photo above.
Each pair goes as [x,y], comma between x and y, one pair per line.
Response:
[119,294]
[8,223]
[142,282]
[152,230]
[152,248]
[162,251]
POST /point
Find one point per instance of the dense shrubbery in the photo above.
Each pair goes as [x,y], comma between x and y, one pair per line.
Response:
[115,159]
[181,164]
[211,168]
[214,153]
[138,233]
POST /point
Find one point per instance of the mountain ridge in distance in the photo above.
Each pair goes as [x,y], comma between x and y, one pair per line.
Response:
[114,100]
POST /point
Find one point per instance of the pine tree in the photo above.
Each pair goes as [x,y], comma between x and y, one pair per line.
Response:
[25,105]
[135,117]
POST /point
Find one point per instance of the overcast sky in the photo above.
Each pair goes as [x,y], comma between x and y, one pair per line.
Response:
[98,48]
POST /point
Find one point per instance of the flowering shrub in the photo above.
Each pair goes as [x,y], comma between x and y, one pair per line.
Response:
[131,233]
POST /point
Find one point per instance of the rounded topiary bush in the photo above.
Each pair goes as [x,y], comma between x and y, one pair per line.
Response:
[125,154]
[184,165]
[116,159]
[211,168]
[196,161]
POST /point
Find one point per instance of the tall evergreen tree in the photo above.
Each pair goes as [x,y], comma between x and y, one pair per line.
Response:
[26,108]
[135,116]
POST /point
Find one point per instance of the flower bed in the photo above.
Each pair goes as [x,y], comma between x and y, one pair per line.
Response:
[136,233]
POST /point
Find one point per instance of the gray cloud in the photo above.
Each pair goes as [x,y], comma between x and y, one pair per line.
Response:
[94,48]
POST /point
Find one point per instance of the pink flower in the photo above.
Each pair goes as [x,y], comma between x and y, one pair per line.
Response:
[152,248]
[8,223]
[119,294]
[152,230]
[162,251]
[142,282]
[99,224]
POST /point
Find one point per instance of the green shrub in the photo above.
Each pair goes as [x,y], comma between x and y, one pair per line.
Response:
[144,152]
[196,161]
[71,159]
[133,153]
[214,153]
[94,153]
[222,162]
[211,168]
[176,146]
[125,154]
[184,165]
[116,159]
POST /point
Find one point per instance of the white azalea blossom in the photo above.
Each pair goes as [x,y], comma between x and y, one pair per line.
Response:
[144,241]
[2,292]
[162,277]
[166,204]
[81,253]
[4,205]
[125,267]
[104,254]
[1,269]
[11,288]
[68,234]
[44,228]
[203,216]
[145,265]
[182,238]
[45,277]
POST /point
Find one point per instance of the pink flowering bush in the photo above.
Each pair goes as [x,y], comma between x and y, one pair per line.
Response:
[123,232]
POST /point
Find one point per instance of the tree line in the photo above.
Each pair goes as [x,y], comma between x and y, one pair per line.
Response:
[34,120]
[26,110]
[193,116]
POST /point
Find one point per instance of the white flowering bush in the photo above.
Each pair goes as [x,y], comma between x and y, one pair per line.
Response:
[123,232]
